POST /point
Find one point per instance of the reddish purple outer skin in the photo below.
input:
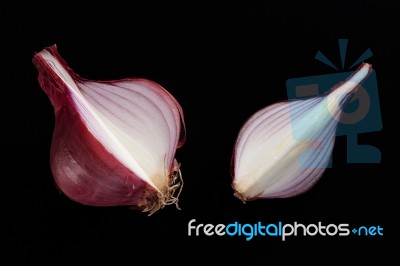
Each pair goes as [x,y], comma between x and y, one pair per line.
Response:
[77,155]
[82,168]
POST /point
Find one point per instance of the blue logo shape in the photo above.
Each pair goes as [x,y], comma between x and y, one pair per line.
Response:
[361,115]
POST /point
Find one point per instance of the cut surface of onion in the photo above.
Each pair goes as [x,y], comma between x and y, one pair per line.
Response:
[114,142]
[283,149]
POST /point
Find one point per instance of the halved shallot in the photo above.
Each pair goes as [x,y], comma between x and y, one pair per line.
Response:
[283,149]
[114,142]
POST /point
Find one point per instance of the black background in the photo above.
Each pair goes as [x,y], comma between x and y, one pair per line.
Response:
[222,62]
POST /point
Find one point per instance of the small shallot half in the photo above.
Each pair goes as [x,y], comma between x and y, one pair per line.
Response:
[114,142]
[283,149]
